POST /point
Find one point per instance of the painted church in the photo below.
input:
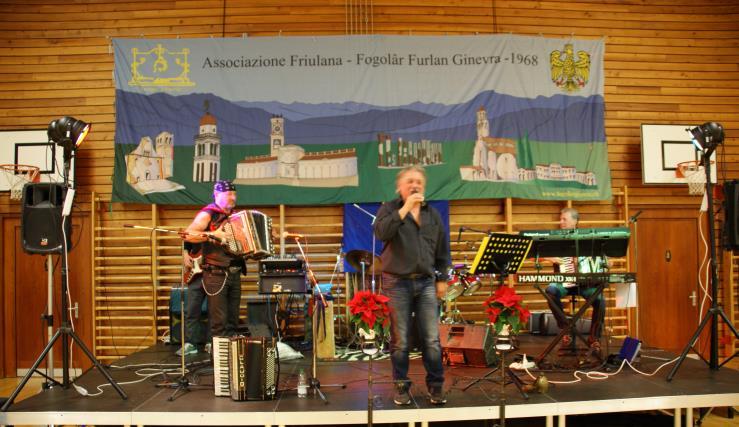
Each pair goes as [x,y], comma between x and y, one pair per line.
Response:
[497,159]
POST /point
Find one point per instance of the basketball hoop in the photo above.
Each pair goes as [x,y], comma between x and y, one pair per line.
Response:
[17,176]
[693,173]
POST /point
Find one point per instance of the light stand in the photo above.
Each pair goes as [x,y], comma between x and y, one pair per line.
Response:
[313,382]
[49,318]
[65,331]
[715,311]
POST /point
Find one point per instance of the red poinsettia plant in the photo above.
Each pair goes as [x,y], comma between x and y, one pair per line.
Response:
[369,311]
[504,308]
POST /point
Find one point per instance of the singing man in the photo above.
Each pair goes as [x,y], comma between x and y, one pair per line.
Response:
[415,259]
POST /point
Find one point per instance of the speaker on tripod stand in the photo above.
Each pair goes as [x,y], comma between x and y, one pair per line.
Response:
[41,218]
[38,202]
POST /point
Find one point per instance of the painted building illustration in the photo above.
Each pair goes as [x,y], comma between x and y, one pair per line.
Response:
[400,153]
[207,155]
[498,159]
[291,165]
[151,163]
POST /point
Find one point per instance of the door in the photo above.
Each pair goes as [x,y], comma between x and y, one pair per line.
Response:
[668,254]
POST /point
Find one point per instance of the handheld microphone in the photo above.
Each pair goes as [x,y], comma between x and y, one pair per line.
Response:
[423,202]
[293,235]
[635,216]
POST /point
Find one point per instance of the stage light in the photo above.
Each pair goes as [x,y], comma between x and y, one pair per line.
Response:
[707,136]
[68,132]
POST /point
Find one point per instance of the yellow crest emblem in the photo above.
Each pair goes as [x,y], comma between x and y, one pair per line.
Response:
[569,72]
[160,67]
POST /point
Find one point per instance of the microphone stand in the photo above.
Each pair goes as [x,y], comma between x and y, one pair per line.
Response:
[313,382]
[372,251]
[182,384]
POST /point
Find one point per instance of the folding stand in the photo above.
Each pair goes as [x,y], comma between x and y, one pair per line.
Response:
[571,326]
[501,254]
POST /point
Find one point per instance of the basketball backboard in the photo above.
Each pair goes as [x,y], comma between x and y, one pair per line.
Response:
[31,147]
[662,148]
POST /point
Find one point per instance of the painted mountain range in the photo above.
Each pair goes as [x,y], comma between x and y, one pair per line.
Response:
[558,118]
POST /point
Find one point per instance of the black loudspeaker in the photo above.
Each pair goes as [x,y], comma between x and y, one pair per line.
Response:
[731,214]
[41,219]
[467,345]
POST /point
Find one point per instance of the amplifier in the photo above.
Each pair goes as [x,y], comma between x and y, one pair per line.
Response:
[282,275]
[467,345]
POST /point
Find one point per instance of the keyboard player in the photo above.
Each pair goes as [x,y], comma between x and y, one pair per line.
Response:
[568,219]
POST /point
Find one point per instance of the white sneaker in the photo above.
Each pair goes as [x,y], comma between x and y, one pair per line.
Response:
[189,349]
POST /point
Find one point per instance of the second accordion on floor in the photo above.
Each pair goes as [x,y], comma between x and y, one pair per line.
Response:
[245,368]
[249,234]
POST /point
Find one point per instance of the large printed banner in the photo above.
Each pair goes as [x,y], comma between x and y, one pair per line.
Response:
[315,120]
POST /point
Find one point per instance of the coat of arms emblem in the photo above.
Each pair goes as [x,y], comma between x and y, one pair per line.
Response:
[570,72]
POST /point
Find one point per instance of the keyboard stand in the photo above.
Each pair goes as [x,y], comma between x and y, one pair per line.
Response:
[571,326]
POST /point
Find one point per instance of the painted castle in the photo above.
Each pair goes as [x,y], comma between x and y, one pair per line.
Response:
[497,159]
[151,163]
[289,164]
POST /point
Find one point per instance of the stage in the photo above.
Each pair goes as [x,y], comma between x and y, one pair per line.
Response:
[694,386]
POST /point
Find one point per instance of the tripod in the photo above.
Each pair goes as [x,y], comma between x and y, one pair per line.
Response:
[65,331]
[313,382]
[715,311]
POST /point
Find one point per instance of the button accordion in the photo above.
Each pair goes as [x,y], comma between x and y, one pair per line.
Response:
[245,368]
[248,234]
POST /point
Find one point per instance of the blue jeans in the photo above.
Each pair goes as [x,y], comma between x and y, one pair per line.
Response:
[414,296]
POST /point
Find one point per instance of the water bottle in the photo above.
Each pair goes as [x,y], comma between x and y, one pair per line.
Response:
[302,384]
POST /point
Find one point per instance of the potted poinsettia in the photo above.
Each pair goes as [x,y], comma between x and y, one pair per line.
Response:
[369,311]
[504,308]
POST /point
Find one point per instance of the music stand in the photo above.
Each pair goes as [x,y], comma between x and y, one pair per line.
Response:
[501,254]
